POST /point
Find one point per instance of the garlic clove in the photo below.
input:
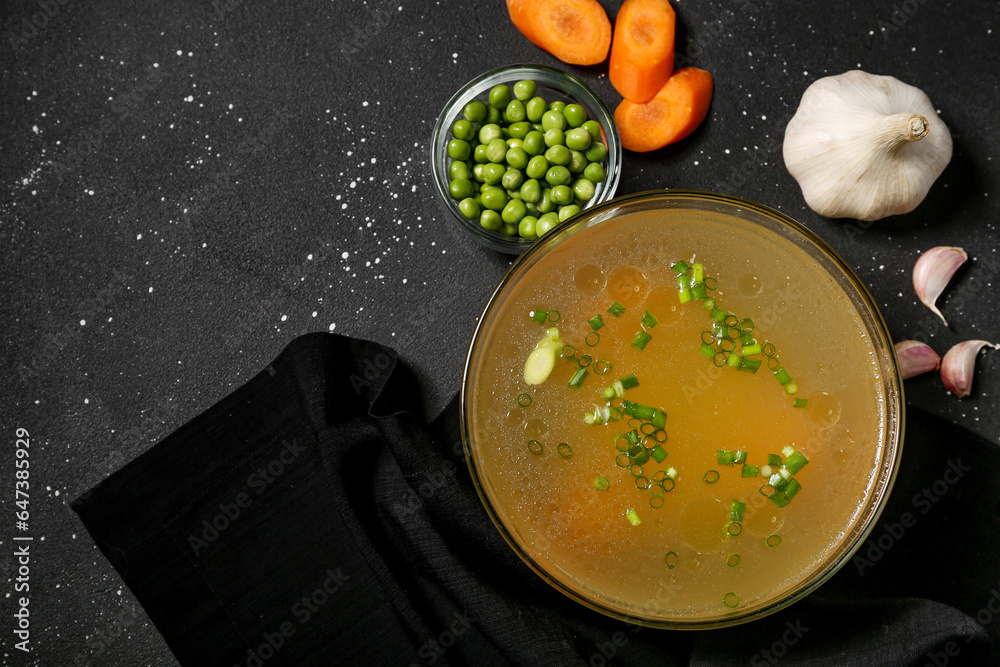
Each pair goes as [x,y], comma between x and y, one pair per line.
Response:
[933,271]
[959,364]
[865,146]
[916,358]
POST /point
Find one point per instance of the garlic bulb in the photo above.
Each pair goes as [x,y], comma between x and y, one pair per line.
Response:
[865,146]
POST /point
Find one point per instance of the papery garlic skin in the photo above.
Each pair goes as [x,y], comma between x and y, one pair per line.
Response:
[865,146]
[932,273]
[916,358]
[959,365]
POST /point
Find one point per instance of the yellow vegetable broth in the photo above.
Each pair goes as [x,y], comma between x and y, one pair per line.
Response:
[581,535]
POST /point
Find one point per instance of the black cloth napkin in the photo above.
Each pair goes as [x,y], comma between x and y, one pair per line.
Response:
[310,519]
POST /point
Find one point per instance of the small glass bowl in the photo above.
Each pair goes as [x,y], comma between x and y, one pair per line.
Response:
[552,85]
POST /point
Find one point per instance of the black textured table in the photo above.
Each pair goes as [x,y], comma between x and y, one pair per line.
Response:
[188,186]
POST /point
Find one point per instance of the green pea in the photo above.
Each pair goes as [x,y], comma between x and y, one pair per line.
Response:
[532,209]
[513,211]
[517,157]
[568,211]
[519,130]
[535,109]
[546,223]
[459,149]
[513,142]
[489,132]
[499,96]
[513,194]
[531,191]
[477,172]
[597,152]
[558,155]
[494,199]
[553,119]
[578,139]
[594,128]
[525,90]
[493,115]
[490,220]
[512,180]
[537,167]
[469,208]
[562,195]
[545,204]
[538,127]
[554,137]
[534,143]
[594,172]
[496,150]
[460,188]
[583,189]
[474,111]
[526,228]
[558,175]
[514,113]
[575,115]
[479,154]
[509,229]
[493,172]
[558,105]
[458,169]
[577,162]
[463,129]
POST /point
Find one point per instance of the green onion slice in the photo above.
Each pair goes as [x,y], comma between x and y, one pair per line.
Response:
[524,400]
[712,476]
[596,322]
[800,402]
[648,320]
[601,483]
[633,517]
[671,559]
[564,450]
[578,377]
[733,560]
[630,381]
[731,600]
[641,340]
[592,338]
[656,502]
[539,316]
[772,540]
[554,316]
[616,309]
[534,446]
[602,366]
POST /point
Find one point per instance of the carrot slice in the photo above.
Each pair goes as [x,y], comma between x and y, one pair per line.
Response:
[671,115]
[577,32]
[642,53]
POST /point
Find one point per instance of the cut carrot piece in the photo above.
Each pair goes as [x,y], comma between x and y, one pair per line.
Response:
[671,115]
[642,53]
[577,32]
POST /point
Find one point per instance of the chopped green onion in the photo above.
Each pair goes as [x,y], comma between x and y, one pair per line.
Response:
[671,473]
[739,456]
[643,412]
[731,320]
[718,314]
[708,304]
[623,461]
[725,457]
[719,359]
[628,406]
[780,498]
[596,322]
[706,350]
[554,316]
[750,365]
[736,509]
[640,457]
[616,414]
[680,267]
[602,483]
[539,316]
[658,453]
[711,477]
[584,360]
[656,502]
[768,349]
[772,540]
[767,490]
[683,288]
[733,560]
[635,470]
[733,528]
[799,402]
[711,283]
[773,364]
[782,376]
[578,377]
[698,272]
[648,320]
[564,450]
[787,451]
[534,446]
[746,340]
[524,400]
[641,482]
[726,344]
[633,437]
[602,366]
[592,338]
[671,559]
[616,309]
[633,517]
[659,419]
[734,360]
[698,292]
[773,460]
[747,325]
[668,483]
[608,393]
[752,349]
[750,471]
[791,388]
[778,479]
[796,462]
[630,381]
[641,339]
[792,488]
[731,600]
[568,352]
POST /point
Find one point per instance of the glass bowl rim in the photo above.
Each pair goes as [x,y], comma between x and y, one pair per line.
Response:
[594,106]
[894,428]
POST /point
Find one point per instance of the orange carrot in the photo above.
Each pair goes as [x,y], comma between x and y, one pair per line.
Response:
[577,32]
[671,115]
[642,53]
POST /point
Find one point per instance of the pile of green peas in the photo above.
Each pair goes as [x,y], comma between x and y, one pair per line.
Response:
[520,165]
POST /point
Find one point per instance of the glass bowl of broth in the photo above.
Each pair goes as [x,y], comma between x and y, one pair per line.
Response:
[723,418]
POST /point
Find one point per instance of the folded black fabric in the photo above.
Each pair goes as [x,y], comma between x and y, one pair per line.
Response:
[310,519]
